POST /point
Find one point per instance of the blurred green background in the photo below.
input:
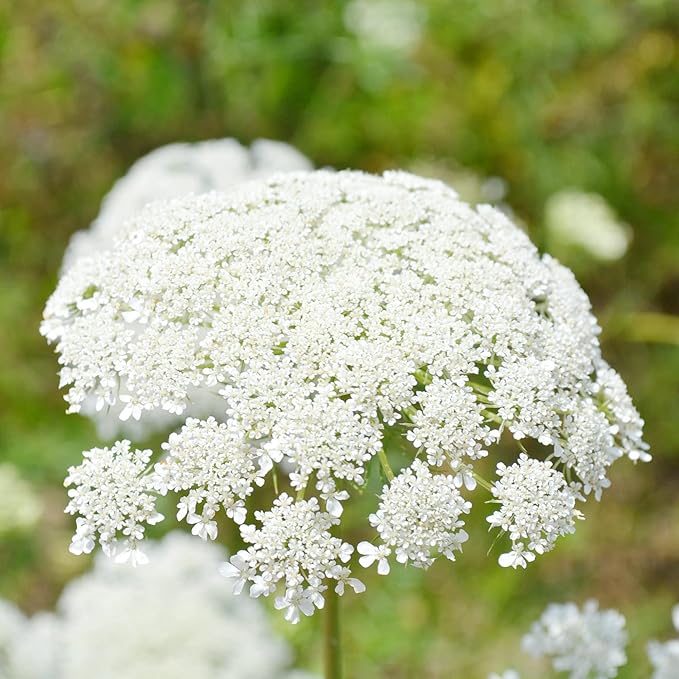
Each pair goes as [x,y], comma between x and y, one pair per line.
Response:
[523,102]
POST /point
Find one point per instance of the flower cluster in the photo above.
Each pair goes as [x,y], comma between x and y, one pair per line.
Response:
[536,507]
[317,316]
[113,499]
[418,517]
[216,466]
[587,642]
[665,656]
[118,622]
[293,544]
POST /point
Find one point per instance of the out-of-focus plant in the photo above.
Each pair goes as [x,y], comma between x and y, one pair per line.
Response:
[176,170]
[585,642]
[172,619]
[20,506]
[574,219]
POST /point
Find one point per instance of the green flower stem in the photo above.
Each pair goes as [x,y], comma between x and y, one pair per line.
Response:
[480,388]
[382,456]
[331,636]
[482,482]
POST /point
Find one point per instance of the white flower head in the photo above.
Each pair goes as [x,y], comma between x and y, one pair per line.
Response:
[329,315]
[536,507]
[664,656]
[586,642]
[113,500]
[419,516]
[294,547]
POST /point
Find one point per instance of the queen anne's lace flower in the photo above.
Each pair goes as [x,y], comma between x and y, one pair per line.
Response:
[215,465]
[665,656]
[319,312]
[115,622]
[419,516]
[587,642]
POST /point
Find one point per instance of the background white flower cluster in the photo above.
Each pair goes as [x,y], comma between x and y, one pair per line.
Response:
[172,619]
[585,642]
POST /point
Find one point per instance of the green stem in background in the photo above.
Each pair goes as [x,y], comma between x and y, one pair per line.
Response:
[331,636]
[643,326]
[382,456]
[482,482]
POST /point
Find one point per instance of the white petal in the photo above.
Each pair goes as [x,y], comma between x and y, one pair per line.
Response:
[383,567]
[357,585]
[367,560]
[366,548]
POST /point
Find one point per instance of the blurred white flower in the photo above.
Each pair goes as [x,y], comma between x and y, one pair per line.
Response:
[470,185]
[664,656]
[507,674]
[586,642]
[20,507]
[386,24]
[176,170]
[173,619]
[585,220]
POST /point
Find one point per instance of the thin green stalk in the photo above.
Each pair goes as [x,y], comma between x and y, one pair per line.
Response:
[382,456]
[331,636]
[482,482]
